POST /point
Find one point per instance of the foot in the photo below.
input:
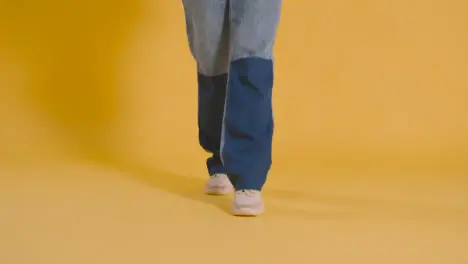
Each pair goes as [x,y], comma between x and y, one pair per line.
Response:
[218,184]
[247,203]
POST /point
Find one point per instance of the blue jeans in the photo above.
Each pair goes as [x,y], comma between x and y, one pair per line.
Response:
[232,42]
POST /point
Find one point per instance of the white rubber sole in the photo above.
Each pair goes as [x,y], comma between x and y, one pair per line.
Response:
[247,211]
[219,191]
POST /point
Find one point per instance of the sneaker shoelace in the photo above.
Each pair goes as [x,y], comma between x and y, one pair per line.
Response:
[249,193]
[218,179]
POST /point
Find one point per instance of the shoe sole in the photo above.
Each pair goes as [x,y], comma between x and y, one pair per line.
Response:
[247,211]
[218,191]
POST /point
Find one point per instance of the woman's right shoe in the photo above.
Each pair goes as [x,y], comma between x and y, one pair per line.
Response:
[218,184]
[247,203]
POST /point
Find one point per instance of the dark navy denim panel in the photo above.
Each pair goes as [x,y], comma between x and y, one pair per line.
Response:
[211,99]
[248,123]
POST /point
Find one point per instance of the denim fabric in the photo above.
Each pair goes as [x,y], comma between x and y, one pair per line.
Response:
[220,31]
[232,42]
[211,102]
[246,138]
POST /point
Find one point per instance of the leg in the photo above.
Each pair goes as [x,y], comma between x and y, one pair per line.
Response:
[248,119]
[208,35]
[211,97]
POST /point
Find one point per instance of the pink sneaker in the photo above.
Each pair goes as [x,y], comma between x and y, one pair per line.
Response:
[218,184]
[247,203]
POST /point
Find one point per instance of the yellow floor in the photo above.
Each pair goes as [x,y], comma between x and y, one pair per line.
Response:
[99,160]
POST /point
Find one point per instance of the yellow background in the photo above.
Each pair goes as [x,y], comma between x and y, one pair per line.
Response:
[99,159]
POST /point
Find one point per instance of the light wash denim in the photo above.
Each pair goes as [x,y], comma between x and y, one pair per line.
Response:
[221,31]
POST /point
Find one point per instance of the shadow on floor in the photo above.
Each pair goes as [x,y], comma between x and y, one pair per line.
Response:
[176,184]
[280,203]
[187,187]
[365,208]
[283,203]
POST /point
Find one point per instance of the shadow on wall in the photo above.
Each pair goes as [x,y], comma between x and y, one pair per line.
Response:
[70,50]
